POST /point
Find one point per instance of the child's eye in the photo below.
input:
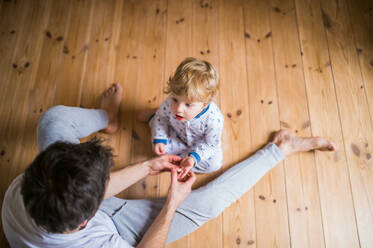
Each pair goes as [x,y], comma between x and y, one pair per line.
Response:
[188,105]
[174,99]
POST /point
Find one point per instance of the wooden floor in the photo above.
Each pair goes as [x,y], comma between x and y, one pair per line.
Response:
[303,65]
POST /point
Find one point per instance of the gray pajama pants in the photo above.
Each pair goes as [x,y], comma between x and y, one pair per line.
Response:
[133,217]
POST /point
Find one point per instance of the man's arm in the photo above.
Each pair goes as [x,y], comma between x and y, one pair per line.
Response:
[123,178]
[156,235]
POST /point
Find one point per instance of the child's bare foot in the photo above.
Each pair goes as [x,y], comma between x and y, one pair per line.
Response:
[110,102]
[289,143]
[144,115]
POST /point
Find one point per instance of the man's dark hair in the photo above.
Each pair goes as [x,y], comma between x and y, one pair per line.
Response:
[66,183]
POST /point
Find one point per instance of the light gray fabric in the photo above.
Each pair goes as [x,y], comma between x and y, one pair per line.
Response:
[68,124]
[132,217]
[21,231]
[61,123]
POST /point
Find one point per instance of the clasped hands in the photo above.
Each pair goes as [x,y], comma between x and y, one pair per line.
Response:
[181,180]
[185,164]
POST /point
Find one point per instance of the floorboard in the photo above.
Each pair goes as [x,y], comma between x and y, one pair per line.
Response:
[302,65]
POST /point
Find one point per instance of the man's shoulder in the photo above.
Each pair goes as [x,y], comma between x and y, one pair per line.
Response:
[13,214]
[20,230]
[13,193]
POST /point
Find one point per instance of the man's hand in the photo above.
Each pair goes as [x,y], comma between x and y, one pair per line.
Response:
[179,189]
[186,164]
[159,148]
[125,177]
[156,235]
[162,163]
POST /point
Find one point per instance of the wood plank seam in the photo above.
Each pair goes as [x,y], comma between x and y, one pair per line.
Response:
[283,164]
[66,31]
[248,103]
[88,34]
[221,219]
[343,136]
[309,116]
[165,77]
[16,46]
[361,71]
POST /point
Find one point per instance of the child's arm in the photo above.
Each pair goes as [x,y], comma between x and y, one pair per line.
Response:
[159,127]
[210,145]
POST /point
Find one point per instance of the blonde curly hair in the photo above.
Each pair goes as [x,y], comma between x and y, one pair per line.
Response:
[194,78]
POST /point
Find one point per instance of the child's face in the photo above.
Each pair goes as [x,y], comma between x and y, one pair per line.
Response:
[183,109]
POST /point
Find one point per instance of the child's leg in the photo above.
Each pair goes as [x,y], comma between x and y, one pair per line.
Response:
[61,123]
[212,164]
[176,146]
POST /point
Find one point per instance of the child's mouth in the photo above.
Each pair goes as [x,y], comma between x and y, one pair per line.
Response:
[179,117]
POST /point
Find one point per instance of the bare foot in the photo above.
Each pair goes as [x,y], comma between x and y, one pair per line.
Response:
[144,115]
[110,102]
[289,143]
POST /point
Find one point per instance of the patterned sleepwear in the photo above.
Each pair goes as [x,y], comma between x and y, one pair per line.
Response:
[199,137]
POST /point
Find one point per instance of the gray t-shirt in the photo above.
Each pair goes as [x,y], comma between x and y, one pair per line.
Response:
[21,231]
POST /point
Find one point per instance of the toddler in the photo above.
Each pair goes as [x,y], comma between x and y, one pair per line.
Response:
[188,123]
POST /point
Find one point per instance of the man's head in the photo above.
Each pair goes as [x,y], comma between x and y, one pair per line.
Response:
[192,87]
[65,184]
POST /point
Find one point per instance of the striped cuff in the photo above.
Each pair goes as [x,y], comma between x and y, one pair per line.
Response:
[196,157]
[164,141]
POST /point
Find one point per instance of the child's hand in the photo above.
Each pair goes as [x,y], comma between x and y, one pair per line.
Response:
[185,165]
[159,148]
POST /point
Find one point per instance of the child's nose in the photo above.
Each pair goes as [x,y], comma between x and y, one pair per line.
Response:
[179,108]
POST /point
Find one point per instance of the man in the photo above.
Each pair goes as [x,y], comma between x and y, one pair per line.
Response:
[65,197]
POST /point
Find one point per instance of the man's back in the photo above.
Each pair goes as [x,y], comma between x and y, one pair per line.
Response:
[21,231]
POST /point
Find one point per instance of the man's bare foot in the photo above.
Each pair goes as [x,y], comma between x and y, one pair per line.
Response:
[144,115]
[110,102]
[289,143]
